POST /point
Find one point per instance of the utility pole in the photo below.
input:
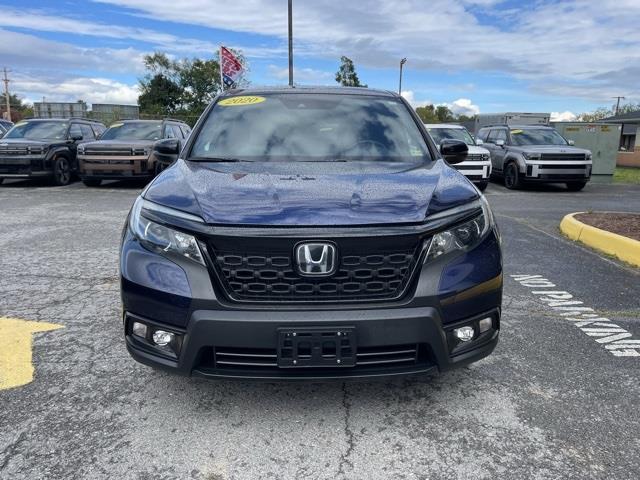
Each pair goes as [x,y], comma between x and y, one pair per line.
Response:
[618,103]
[290,43]
[402,62]
[6,93]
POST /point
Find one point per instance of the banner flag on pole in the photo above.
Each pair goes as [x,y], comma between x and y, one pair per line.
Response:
[230,68]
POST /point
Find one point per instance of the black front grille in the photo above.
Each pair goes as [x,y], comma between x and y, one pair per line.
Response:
[564,167]
[120,152]
[261,269]
[563,156]
[474,168]
[476,157]
[15,150]
[264,361]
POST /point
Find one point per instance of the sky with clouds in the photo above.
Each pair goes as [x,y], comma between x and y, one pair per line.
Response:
[472,55]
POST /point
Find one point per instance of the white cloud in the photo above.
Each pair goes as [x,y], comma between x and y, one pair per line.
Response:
[27,51]
[529,43]
[563,116]
[410,97]
[73,88]
[301,75]
[463,106]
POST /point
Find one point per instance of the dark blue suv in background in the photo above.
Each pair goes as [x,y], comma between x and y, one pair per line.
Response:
[310,233]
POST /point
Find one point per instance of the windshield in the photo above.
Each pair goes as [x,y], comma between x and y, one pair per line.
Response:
[39,130]
[310,127]
[440,134]
[536,136]
[133,131]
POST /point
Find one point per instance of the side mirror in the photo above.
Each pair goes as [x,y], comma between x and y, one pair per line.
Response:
[479,142]
[571,142]
[500,143]
[454,151]
[168,146]
[76,138]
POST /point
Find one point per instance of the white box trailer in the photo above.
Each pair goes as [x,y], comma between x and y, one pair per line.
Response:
[511,118]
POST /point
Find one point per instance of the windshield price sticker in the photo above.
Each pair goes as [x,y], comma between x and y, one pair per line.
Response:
[515,132]
[241,101]
[116,125]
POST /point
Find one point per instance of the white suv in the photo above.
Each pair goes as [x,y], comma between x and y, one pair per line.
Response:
[477,167]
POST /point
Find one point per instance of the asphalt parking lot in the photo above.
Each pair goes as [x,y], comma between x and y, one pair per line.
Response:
[553,401]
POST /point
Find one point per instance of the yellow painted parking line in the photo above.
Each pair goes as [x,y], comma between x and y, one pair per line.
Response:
[16,365]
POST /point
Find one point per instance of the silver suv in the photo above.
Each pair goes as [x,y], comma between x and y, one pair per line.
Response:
[533,153]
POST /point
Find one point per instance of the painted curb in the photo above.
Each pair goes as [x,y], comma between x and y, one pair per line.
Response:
[624,248]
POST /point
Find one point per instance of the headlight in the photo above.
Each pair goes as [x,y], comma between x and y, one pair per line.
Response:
[81,150]
[160,238]
[531,156]
[485,156]
[588,156]
[463,236]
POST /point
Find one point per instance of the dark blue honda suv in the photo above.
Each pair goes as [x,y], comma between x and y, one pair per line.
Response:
[310,233]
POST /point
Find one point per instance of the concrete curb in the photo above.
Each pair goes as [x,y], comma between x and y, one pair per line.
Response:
[624,248]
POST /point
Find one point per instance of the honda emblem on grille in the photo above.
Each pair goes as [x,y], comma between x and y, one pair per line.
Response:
[316,258]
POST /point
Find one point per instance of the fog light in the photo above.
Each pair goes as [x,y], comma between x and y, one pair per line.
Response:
[485,324]
[464,334]
[162,338]
[139,329]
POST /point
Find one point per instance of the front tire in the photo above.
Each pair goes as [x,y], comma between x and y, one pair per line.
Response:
[92,182]
[512,177]
[575,186]
[61,171]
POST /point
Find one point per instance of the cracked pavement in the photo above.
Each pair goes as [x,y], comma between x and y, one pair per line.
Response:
[548,403]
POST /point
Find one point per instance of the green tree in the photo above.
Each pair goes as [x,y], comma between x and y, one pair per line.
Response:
[19,109]
[627,108]
[180,87]
[427,114]
[433,114]
[598,114]
[346,74]
[200,82]
[159,95]
[604,112]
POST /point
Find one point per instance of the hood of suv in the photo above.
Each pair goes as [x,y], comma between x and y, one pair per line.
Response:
[550,149]
[26,142]
[310,194]
[111,144]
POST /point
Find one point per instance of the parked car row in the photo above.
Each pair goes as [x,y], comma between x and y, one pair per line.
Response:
[60,149]
[518,154]
[63,148]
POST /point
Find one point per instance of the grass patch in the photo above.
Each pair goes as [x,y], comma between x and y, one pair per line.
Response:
[627,175]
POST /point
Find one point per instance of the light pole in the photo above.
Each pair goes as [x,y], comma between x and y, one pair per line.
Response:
[290,44]
[402,62]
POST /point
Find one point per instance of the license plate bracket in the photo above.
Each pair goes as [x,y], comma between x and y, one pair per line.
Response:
[317,347]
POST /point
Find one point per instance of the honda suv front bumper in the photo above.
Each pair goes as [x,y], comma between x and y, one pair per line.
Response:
[228,315]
